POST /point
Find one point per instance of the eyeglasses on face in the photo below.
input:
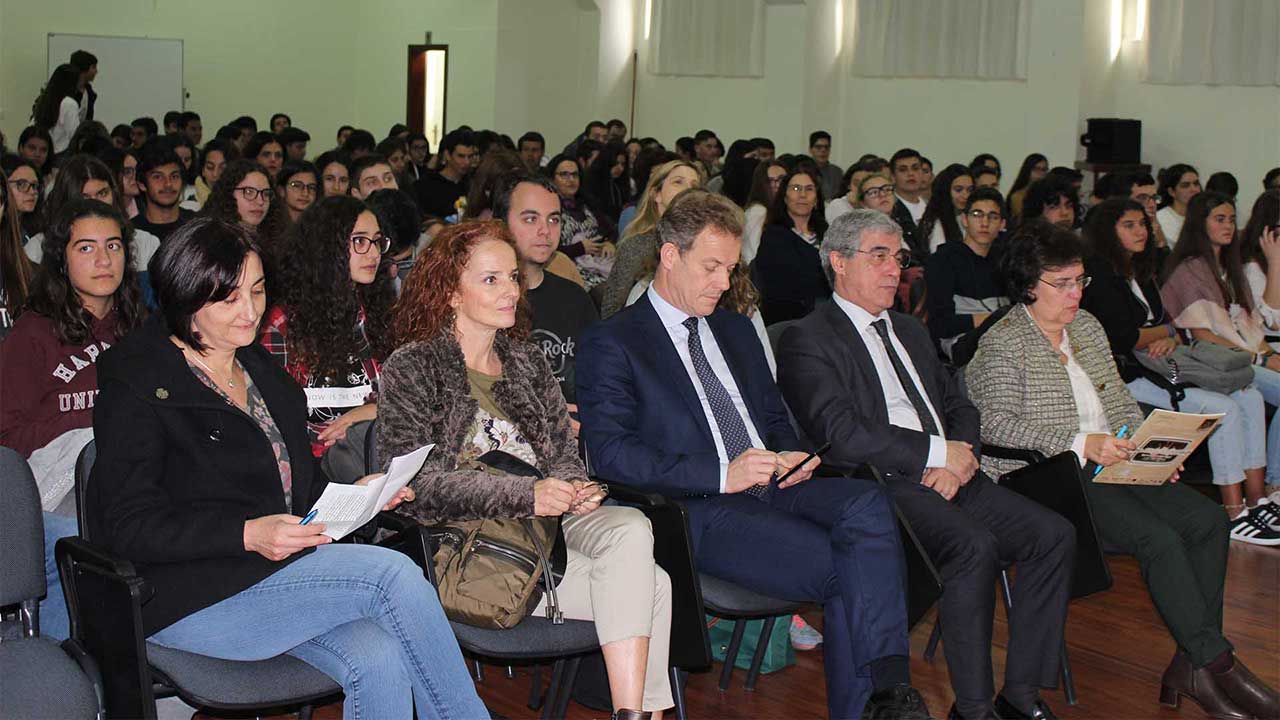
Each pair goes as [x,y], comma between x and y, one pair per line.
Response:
[880,255]
[798,188]
[879,191]
[1069,284]
[299,186]
[994,217]
[24,186]
[567,174]
[360,244]
[253,193]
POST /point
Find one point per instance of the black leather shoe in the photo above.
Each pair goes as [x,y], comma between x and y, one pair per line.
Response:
[900,702]
[1004,710]
[954,714]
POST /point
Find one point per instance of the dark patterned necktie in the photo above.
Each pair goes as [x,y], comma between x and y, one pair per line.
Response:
[732,430]
[904,377]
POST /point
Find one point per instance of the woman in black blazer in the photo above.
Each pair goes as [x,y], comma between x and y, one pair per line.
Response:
[787,270]
[202,474]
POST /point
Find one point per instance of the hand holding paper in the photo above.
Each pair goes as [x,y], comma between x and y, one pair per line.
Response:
[343,508]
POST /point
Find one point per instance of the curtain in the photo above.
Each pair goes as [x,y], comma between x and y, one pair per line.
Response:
[977,39]
[723,38]
[1213,42]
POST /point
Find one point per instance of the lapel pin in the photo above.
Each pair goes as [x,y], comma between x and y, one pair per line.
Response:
[162,394]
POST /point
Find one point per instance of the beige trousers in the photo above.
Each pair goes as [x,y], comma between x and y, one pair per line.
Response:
[611,578]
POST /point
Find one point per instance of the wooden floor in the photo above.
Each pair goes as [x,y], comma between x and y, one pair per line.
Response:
[1118,648]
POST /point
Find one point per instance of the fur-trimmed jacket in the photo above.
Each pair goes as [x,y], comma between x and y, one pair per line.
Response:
[426,398]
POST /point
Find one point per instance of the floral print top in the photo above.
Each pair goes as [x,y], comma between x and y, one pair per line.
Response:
[491,430]
[261,416]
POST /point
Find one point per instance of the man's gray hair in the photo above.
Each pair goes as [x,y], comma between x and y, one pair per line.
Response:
[695,210]
[845,234]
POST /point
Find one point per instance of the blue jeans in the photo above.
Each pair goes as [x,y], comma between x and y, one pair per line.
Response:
[53,609]
[363,615]
[1239,444]
[1268,383]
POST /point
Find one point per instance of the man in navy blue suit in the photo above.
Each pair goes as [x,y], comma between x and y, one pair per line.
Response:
[676,397]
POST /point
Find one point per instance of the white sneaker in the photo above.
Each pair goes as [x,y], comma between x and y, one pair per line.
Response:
[1249,528]
[1265,511]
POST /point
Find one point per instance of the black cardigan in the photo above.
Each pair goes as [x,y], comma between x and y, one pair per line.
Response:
[788,274]
[179,471]
[1110,299]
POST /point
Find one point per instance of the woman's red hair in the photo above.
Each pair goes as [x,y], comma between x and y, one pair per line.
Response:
[423,310]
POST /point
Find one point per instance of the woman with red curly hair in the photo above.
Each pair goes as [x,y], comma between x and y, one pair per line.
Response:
[466,379]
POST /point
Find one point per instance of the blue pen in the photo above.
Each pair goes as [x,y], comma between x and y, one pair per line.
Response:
[310,516]
[1124,430]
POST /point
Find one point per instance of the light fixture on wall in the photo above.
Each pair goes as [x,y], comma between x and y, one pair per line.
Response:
[648,16]
[1139,20]
[839,25]
[1117,28]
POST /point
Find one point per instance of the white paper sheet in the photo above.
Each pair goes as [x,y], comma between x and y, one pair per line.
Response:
[343,508]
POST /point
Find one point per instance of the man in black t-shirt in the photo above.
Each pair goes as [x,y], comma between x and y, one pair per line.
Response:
[530,206]
[159,176]
[437,193]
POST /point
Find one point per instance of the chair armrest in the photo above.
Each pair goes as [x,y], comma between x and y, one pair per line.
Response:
[89,667]
[632,496]
[1026,455]
[1177,391]
[415,541]
[104,604]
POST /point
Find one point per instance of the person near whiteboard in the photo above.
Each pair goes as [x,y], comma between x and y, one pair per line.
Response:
[56,109]
[87,64]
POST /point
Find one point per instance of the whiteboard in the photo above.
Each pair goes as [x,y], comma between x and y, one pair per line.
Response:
[136,76]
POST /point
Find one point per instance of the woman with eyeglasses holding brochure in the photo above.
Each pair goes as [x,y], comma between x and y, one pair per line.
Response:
[328,328]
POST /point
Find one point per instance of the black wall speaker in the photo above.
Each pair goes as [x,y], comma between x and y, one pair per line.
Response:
[1113,141]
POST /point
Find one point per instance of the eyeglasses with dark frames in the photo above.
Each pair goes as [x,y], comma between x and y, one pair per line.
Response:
[360,244]
[253,193]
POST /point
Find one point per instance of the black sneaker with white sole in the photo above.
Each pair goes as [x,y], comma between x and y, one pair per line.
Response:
[1265,511]
[1251,529]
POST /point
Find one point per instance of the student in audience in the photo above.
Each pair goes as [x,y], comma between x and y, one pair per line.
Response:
[765,181]
[941,219]
[530,206]
[494,168]
[909,201]
[191,128]
[1141,188]
[926,178]
[438,192]
[1223,183]
[396,151]
[83,299]
[335,175]
[266,149]
[214,159]
[295,143]
[279,122]
[463,318]
[1123,296]
[129,185]
[648,160]
[1052,198]
[639,247]
[532,146]
[638,430]
[607,182]
[985,176]
[361,614]
[370,173]
[1034,167]
[120,136]
[56,109]
[706,146]
[186,153]
[1047,350]
[829,173]
[160,180]
[617,130]
[1259,245]
[244,195]
[985,160]
[847,199]
[36,145]
[786,269]
[1208,294]
[359,143]
[401,223]
[1271,181]
[141,130]
[299,185]
[876,191]
[24,189]
[584,236]
[330,328]
[1178,184]
[87,63]
[587,152]
[170,123]
[964,284]
[907,418]
[16,269]
[344,132]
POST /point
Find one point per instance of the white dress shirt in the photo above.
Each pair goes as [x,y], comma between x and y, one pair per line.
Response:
[672,319]
[901,412]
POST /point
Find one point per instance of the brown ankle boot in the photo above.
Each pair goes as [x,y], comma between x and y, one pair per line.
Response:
[1181,679]
[625,714]
[1248,692]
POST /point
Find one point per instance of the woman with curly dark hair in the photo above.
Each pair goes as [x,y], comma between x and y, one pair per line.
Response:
[17,269]
[329,328]
[244,194]
[467,379]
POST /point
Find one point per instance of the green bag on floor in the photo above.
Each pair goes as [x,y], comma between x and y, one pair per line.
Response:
[778,655]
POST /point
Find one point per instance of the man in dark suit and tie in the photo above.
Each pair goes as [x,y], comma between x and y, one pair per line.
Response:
[868,380]
[675,396]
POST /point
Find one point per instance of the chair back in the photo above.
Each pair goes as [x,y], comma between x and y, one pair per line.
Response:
[84,468]
[21,531]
